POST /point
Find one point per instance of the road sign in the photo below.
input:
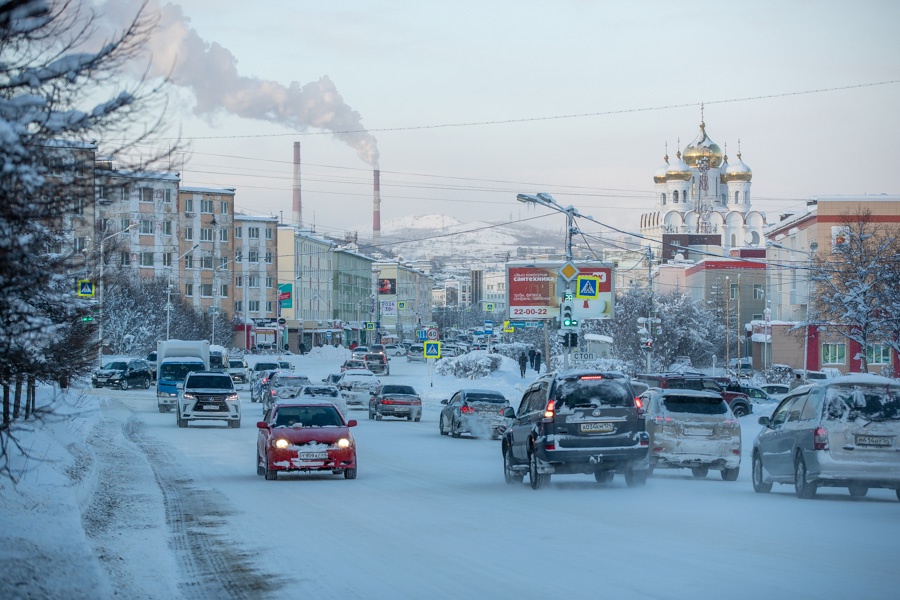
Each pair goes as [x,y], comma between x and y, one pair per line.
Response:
[431,333]
[370,326]
[401,305]
[587,287]
[489,327]
[420,334]
[327,335]
[489,307]
[85,288]
[432,350]
[568,271]
[507,327]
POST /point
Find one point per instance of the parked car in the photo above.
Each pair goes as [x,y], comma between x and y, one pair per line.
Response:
[331,378]
[577,421]
[359,352]
[283,385]
[123,374]
[304,436]
[394,350]
[238,369]
[396,401]
[471,411]
[839,432]
[325,392]
[359,385]
[692,430]
[739,402]
[258,368]
[416,353]
[353,363]
[208,396]
[285,365]
[755,394]
[377,363]
[777,391]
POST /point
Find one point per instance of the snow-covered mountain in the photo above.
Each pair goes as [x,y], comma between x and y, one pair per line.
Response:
[443,238]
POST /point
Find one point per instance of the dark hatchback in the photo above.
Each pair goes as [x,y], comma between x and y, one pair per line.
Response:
[577,422]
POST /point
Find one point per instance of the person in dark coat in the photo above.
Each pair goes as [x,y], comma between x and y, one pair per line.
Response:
[537,361]
[531,357]
[523,362]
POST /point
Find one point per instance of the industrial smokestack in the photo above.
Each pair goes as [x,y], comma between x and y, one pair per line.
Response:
[376,210]
[298,206]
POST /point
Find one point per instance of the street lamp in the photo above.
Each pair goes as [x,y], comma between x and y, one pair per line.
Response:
[169,289]
[813,246]
[100,296]
[215,311]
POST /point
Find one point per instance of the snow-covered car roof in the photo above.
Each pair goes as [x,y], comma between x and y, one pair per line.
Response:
[349,373]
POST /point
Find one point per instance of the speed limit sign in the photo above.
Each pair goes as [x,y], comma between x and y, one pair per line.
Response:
[431,333]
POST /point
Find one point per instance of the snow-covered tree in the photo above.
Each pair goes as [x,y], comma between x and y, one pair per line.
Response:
[61,97]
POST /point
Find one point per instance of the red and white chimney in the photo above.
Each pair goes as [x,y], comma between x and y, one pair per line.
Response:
[298,206]
[376,210]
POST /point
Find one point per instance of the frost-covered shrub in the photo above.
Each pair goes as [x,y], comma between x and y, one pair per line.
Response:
[512,350]
[473,365]
[600,364]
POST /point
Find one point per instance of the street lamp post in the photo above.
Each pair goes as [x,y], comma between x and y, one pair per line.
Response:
[813,246]
[169,289]
[100,296]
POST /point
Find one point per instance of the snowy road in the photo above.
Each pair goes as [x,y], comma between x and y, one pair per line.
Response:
[431,517]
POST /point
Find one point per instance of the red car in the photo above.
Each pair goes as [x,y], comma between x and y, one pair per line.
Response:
[305,436]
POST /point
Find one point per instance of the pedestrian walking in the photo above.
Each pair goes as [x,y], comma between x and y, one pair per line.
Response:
[537,361]
[523,362]
[797,382]
[531,358]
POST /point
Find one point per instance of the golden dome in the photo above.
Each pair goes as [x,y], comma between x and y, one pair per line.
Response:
[660,175]
[702,147]
[678,170]
[738,171]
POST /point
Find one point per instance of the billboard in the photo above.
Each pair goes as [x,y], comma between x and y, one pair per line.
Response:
[387,286]
[534,291]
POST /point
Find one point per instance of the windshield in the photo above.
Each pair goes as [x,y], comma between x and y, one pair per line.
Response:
[873,403]
[265,366]
[398,389]
[211,382]
[179,371]
[593,392]
[235,364]
[308,416]
[693,405]
[492,398]
[115,366]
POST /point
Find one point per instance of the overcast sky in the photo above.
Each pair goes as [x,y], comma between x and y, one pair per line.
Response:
[469,103]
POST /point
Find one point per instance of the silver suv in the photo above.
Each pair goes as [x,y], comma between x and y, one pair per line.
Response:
[208,396]
[842,432]
[577,422]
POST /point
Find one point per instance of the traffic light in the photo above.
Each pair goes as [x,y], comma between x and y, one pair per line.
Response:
[572,339]
[648,345]
[87,319]
[568,319]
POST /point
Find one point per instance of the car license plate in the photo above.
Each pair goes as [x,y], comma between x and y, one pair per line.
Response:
[597,427]
[872,440]
[697,431]
[210,407]
[312,455]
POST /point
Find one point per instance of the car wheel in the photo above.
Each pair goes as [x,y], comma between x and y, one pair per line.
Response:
[804,489]
[898,494]
[759,485]
[235,424]
[371,414]
[509,475]
[635,477]
[441,426]
[700,472]
[350,473]
[454,429]
[730,474]
[377,416]
[163,409]
[740,411]
[182,422]
[146,383]
[418,417]
[858,490]
[603,476]
[538,480]
[260,469]
[123,385]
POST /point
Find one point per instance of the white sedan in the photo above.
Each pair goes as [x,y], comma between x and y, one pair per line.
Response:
[357,385]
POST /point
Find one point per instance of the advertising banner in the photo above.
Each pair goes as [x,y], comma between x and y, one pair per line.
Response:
[284,295]
[534,292]
[387,286]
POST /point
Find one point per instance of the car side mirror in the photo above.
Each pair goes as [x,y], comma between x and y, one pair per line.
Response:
[445,402]
[764,421]
[509,412]
[352,423]
[262,425]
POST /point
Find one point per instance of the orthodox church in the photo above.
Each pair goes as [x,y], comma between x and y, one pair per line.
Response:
[702,200]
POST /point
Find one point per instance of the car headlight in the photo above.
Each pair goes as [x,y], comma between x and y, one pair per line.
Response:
[189,396]
[343,443]
[232,398]
[281,443]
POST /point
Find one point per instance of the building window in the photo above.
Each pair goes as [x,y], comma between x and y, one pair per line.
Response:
[675,197]
[168,195]
[269,282]
[167,259]
[125,259]
[254,305]
[223,261]
[124,192]
[878,354]
[268,233]
[124,224]
[146,194]
[758,292]
[239,255]
[252,281]
[206,234]
[146,259]
[733,291]
[206,262]
[189,289]
[189,205]
[737,197]
[223,235]
[223,290]
[834,354]
[238,306]
[206,206]
[79,206]
[146,227]
[662,199]
[253,233]
[189,261]
[167,227]
[253,256]
[223,207]
[268,307]
[189,233]
[269,258]
[206,290]
[237,232]
[80,244]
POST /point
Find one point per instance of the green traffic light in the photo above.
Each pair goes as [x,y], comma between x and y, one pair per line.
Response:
[86,319]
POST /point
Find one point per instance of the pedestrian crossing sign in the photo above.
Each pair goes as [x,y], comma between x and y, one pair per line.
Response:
[587,287]
[432,349]
[401,305]
[370,325]
[85,288]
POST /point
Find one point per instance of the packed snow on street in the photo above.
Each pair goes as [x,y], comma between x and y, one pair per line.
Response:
[115,500]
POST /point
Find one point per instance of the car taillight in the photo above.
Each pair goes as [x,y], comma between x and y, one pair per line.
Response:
[386,401]
[820,439]
[732,423]
[466,409]
[550,410]
[639,404]
[659,420]
[589,377]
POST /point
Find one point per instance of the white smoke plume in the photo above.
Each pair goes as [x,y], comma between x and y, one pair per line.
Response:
[209,71]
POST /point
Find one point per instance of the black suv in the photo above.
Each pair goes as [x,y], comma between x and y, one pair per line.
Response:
[580,421]
[123,374]
[738,401]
